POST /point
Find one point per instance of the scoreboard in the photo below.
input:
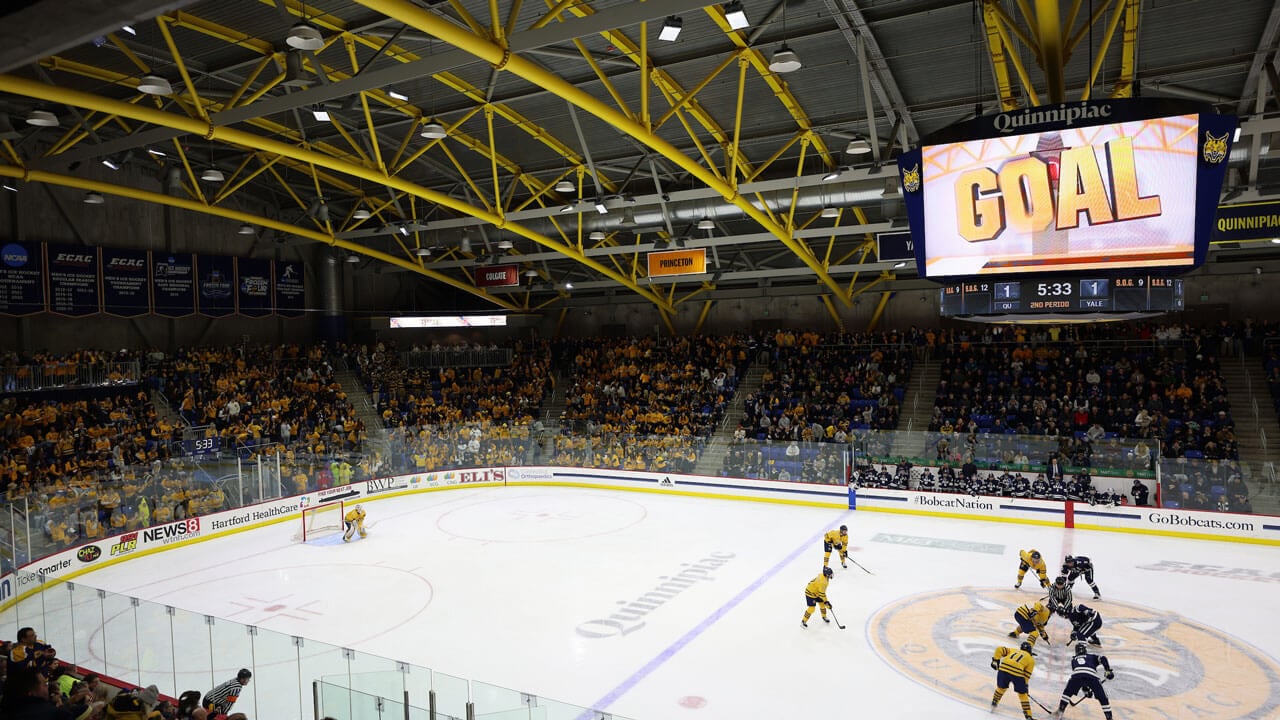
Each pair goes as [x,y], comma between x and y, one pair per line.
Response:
[1126,293]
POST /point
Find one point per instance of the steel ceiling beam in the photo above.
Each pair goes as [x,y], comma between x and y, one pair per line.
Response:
[28,35]
[1267,41]
[33,89]
[490,51]
[852,23]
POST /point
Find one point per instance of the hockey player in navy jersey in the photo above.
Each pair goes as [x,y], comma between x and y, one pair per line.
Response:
[1080,566]
[1087,673]
[1085,623]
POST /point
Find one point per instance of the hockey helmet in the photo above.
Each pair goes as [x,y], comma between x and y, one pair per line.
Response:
[1081,648]
[1035,554]
[1038,607]
[360,508]
[1083,610]
[1068,560]
[828,572]
[1060,580]
[1025,647]
[844,529]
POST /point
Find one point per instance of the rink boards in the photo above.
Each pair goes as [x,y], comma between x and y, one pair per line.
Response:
[1257,529]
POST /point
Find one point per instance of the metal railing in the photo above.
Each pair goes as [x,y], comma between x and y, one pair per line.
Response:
[457,358]
[67,375]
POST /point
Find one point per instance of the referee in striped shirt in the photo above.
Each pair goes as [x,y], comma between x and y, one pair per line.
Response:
[219,700]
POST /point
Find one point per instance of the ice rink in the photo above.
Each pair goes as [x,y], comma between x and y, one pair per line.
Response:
[548,590]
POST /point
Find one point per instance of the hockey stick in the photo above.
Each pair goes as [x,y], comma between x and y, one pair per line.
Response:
[1088,694]
[1042,707]
[855,562]
[833,617]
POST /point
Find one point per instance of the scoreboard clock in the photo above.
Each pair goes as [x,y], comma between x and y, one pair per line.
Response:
[1128,293]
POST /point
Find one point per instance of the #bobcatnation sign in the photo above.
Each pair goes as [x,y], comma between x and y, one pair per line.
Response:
[21,279]
[73,280]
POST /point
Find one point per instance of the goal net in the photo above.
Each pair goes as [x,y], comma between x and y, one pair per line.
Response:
[318,520]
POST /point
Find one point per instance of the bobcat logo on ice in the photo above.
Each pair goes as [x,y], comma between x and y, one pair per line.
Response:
[1166,665]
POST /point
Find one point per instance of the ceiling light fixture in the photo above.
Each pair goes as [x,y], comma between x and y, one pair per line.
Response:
[157,153]
[304,37]
[830,212]
[735,15]
[213,175]
[670,28]
[566,209]
[505,244]
[246,229]
[899,264]
[601,207]
[706,224]
[434,131]
[94,198]
[154,85]
[129,29]
[320,113]
[404,230]
[353,258]
[1236,136]
[1275,241]
[361,214]
[10,188]
[398,95]
[531,273]
[858,146]
[422,251]
[568,286]
[596,235]
[464,245]
[833,175]
[785,60]
[42,118]
[564,186]
[111,163]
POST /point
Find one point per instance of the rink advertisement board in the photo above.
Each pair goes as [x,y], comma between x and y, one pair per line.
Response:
[104,552]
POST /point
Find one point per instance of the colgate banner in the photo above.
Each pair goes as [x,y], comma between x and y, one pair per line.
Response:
[498,276]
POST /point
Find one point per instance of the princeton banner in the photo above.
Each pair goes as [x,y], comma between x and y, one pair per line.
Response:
[677,262]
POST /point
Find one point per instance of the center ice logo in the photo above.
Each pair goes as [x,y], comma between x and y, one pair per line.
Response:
[1166,665]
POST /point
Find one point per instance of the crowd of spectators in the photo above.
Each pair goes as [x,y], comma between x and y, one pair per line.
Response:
[26,372]
[1170,391]
[968,480]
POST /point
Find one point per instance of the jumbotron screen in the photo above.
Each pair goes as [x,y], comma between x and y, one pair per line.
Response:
[1102,197]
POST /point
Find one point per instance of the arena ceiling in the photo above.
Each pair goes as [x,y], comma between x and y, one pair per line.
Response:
[704,141]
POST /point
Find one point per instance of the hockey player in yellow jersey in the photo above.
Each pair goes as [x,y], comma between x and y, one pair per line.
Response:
[354,520]
[1031,619]
[1031,560]
[1013,667]
[815,595]
[837,540]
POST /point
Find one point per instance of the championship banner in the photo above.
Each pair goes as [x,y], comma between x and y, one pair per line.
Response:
[21,279]
[124,282]
[253,283]
[498,276]
[1247,221]
[73,280]
[677,262]
[173,284]
[216,281]
[291,296]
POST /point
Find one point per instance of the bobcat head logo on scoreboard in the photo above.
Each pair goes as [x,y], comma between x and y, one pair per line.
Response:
[1166,665]
[911,178]
[1215,148]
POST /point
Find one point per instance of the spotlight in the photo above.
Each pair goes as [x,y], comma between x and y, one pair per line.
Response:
[246,229]
[213,175]
[319,113]
[361,214]
[830,212]
[398,95]
[600,207]
[434,131]
[157,153]
[670,28]
[505,245]
[154,85]
[706,224]
[785,60]
[111,163]
[353,258]
[42,118]
[834,174]
[93,198]
[564,186]
[596,235]
[304,37]
[858,146]
[129,29]
[531,273]
[422,252]
[568,286]
[404,231]
[735,15]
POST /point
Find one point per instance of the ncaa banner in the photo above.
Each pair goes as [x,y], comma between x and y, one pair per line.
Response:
[253,287]
[21,279]
[73,280]
[173,284]
[125,290]
[291,291]
[216,282]
[677,262]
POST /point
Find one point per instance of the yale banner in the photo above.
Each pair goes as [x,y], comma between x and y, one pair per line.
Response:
[1247,221]
[678,262]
